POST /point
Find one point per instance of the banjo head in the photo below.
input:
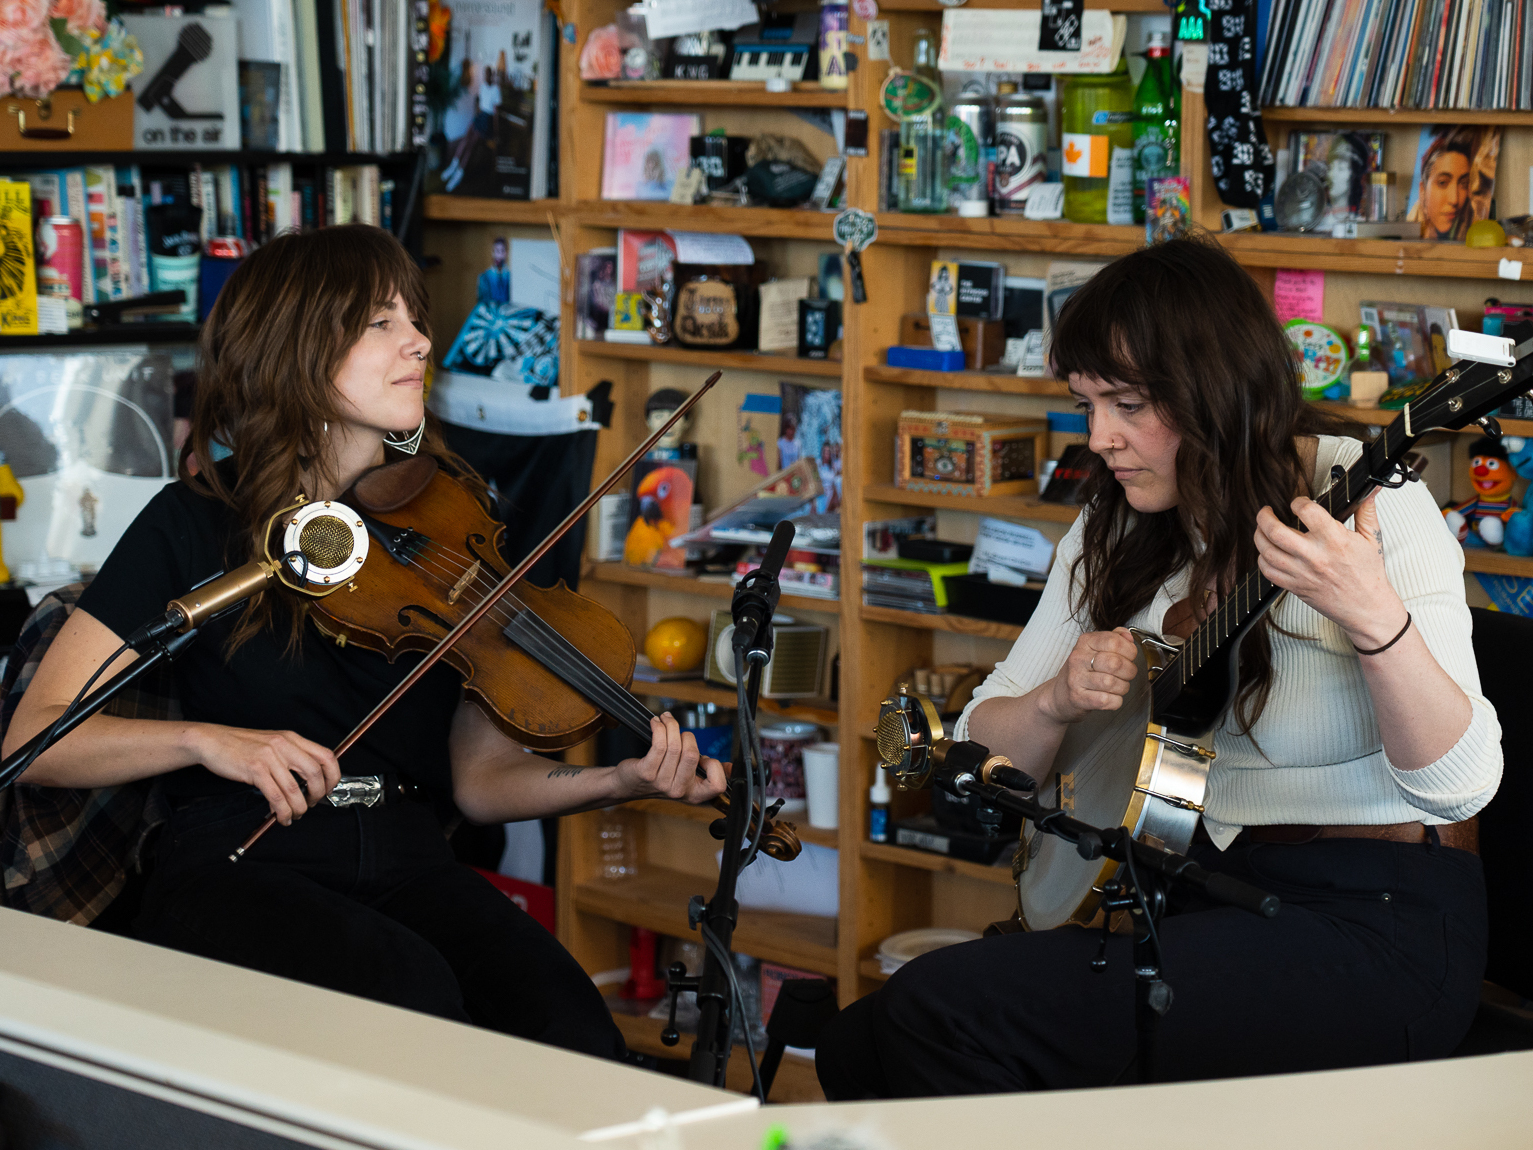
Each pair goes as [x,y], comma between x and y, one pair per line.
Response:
[1111,770]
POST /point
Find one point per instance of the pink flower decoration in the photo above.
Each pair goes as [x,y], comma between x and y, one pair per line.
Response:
[32,65]
[601,58]
[20,20]
[80,15]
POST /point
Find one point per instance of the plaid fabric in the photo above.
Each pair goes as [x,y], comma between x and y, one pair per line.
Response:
[66,853]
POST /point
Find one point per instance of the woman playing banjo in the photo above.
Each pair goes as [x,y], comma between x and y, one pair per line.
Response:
[1349,768]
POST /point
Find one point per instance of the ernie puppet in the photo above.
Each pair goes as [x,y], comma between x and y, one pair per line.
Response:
[1481,521]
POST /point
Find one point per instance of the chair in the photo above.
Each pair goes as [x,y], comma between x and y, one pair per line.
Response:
[803,1007]
[1503,645]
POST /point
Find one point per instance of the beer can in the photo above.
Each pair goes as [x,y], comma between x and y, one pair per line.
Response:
[970,151]
[1021,150]
[60,263]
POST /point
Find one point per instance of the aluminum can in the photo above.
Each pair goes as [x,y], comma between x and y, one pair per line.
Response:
[1021,150]
[61,263]
[970,151]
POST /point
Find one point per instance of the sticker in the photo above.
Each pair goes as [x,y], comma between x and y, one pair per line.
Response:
[1084,155]
[878,39]
[1509,269]
[904,94]
[866,9]
[569,32]
[855,228]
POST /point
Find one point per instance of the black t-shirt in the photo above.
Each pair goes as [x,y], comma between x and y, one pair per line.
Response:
[321,692]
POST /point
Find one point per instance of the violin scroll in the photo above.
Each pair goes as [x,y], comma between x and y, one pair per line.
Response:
[779,838]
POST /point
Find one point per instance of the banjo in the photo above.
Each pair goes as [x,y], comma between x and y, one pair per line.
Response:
[1145,766]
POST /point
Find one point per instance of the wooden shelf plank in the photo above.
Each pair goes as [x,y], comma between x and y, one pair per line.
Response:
[656,898]
[795,1082]
[741,360]
[667,808]
[1380,257]
[1006,506]
[697,691]
[923,860]
[961,624]
[778,223]
[719,93]
[1007,383]
[1378,416]
[1387,116]
[1496,563]
[474,209]
[692,585]
[1009,233]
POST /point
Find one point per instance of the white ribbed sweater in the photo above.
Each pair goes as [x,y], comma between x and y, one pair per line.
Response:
[1324,762]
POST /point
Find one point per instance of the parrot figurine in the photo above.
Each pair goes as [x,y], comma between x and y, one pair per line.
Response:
[665,508]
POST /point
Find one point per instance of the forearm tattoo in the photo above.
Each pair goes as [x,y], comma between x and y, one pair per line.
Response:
[565,772]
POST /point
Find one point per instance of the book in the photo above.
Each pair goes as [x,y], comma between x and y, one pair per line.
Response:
[497,52]
[595,285]
[101,202]
[644,152]
[644,259]
[18,268]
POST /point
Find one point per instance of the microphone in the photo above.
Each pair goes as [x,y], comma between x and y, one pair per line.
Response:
[913,746]
[324,544]
[757,594]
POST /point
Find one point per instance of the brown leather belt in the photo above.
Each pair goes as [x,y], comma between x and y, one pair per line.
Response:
[1464,836]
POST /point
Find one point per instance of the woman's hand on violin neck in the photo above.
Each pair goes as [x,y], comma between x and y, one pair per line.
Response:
[271,761]
[1337,570]
[673,769]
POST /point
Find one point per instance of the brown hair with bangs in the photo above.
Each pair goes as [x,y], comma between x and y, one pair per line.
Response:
[267,361]
[1182,323]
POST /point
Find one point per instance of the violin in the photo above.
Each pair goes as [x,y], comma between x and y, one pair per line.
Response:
[548,666]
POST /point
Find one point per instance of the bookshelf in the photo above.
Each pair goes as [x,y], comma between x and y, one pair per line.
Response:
[883,888]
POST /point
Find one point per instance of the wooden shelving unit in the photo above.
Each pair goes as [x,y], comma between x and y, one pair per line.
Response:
[716,93]
[795,1082]
[883,888]
[763,361]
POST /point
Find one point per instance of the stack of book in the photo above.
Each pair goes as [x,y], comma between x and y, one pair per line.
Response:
[1470,54]
[253,202]
[908,584]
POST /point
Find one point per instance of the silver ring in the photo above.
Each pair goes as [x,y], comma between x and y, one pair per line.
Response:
[1092,666]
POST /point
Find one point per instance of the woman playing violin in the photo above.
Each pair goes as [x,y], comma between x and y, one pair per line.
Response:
[311,362]
[1349,768]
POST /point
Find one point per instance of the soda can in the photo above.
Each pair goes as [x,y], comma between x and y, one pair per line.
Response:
[1021,150]
[971,152]
[61,264]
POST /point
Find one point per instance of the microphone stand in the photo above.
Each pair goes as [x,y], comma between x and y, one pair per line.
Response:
[716,986]
[1139,888]
[154,651]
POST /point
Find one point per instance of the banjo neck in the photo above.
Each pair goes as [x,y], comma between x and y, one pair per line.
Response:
[1197,685]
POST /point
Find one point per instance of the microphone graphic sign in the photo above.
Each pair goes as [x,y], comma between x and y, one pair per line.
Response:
[188,94]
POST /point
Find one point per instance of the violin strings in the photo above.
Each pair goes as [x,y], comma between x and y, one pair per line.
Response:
[540,639]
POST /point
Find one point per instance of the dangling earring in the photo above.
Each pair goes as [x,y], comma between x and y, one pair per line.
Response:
[409,444]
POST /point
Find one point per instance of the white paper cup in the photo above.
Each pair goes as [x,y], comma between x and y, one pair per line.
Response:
[822,784]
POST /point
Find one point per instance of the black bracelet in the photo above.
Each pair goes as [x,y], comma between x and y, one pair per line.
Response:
[1388,645]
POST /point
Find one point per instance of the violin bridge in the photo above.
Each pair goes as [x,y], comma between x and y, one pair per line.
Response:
[462,584]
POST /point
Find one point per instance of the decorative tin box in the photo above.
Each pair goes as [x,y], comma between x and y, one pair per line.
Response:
[957,453]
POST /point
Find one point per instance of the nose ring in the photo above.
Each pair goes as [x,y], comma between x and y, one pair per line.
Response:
[420,355]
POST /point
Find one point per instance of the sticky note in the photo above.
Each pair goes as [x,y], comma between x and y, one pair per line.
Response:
[1510,269]
[1299,295]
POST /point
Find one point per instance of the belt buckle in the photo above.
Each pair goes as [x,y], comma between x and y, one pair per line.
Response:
[357,790]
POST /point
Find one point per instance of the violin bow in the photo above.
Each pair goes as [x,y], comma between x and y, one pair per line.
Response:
[500,590]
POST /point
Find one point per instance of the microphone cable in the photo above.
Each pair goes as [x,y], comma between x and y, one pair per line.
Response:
[57,724]
[721,956]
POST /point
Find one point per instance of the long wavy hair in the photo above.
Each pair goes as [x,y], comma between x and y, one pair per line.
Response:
[1182,322]
[267,361]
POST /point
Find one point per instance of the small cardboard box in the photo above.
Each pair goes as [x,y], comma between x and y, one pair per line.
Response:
[957,453]
[984,341]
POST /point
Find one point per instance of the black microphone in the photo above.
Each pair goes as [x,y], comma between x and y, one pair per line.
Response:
[757,594]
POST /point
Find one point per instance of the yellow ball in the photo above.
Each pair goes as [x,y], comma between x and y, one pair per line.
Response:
[676,644]
[1485,234]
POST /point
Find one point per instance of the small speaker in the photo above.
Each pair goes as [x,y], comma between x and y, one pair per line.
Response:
[796,669]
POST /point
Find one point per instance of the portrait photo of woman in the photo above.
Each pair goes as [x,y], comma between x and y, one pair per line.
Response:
[1454,180]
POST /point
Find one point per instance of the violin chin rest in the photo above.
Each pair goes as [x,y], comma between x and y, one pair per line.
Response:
[391,486]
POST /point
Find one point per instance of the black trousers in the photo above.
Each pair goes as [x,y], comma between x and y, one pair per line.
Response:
[368,901]
[1376,956]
